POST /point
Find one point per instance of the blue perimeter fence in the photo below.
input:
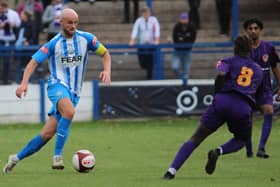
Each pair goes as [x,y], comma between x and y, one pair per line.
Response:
[159,51]
[119,49]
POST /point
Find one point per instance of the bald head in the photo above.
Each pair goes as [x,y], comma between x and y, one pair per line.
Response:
[69,13]
[69,22]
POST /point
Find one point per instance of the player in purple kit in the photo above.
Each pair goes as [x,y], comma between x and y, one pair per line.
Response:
[235,89]
[265,55]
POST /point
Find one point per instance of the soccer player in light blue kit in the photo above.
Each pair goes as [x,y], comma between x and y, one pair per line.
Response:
[67,54]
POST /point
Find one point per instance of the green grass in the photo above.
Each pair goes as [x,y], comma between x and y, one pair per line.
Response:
[137,153]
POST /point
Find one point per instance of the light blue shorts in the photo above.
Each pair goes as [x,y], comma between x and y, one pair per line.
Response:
[55,93]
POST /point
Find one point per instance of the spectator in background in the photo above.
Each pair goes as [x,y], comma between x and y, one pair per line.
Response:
[9,23]
[127,10]
[194,13]
[26,37]
[184,32]
[51,17]
[224,15]
[35,7]
[146,31]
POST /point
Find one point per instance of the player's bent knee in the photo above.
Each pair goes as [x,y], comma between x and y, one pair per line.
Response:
[245,137]
[66,108]
[200,134]
[268,112]
[267,109]
[69,114]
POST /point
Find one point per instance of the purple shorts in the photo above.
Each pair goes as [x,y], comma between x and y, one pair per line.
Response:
[233,109]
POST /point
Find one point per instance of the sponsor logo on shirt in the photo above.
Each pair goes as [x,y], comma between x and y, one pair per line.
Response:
[265,57]
[71,60]
[44,49]
[94,40]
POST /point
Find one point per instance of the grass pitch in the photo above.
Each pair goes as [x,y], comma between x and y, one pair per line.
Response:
[136,154]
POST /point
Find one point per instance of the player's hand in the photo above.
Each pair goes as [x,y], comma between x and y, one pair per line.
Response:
[105,77]
[21,91]
[278,95]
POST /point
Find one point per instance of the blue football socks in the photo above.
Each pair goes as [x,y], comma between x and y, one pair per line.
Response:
[33,146]
[61,135]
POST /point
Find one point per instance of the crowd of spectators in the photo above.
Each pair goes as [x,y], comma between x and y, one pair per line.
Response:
[22,26]
[9,23]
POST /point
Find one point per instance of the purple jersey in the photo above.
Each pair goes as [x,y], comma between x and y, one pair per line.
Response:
[232,103]
[243,76]
[265,55]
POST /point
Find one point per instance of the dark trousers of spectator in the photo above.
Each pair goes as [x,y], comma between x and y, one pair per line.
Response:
[146,61]
[127,10]
[224,15]
[194,13]
[6,60]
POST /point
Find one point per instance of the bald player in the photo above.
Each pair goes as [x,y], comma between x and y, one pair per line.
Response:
[67,56]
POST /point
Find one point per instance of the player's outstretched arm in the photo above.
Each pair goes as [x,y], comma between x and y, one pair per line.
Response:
[22,88]
[105,75]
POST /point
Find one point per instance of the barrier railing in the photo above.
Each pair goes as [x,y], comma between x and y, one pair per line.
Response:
[117,49]
[158,51]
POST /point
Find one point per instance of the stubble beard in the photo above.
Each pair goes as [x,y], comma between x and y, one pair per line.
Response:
[68,34]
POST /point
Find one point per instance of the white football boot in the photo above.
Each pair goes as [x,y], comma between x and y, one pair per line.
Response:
[57,162]
[12,162]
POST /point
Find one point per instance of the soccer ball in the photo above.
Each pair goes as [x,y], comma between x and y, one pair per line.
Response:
[83,161]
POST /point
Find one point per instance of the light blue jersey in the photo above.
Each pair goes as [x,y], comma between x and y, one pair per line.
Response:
[68,58]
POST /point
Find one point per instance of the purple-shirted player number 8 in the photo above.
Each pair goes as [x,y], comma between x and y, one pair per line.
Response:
[245,77]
